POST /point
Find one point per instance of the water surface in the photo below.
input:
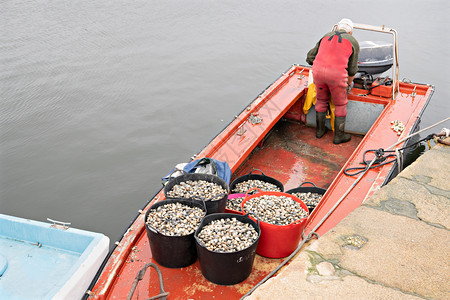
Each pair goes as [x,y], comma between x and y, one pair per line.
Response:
[99,99]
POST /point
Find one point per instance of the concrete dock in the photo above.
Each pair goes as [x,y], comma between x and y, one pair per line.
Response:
[395,246]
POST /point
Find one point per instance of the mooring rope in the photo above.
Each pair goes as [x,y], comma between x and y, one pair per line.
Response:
[381,160]
[418,132]
[313,232]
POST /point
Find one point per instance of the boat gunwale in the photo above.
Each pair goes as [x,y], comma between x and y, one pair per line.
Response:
[260,101]
[414,128]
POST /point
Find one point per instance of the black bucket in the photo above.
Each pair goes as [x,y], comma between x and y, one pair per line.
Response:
[172,251]
[251,176]
[226,268]
[212,206]
[308,189]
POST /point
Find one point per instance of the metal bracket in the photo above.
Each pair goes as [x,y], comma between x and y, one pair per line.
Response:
[59,224]
[413,94]
[406,80]
[241,130]
[301,76]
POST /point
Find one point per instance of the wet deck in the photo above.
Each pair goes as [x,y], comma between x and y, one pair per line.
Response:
[290,153]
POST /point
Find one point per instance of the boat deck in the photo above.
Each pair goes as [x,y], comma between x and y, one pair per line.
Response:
[28,266]
[291,145]
[292,154]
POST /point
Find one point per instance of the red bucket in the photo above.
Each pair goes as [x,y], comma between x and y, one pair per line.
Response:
[277,241]
[234,196]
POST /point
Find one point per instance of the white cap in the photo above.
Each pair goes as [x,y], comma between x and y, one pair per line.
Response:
[345,24]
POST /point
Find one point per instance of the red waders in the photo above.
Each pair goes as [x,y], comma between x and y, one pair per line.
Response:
[330,73]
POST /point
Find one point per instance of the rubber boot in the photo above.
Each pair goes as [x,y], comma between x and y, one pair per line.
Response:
[320,124]
[339,135]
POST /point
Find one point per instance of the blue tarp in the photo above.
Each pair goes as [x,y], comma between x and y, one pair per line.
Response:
[219,168]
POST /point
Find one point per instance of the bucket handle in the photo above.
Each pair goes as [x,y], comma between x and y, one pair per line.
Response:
[246,195]
[216,196]
[176,170]
[209,199]
[251,172]
[170,176]
[297,221]
[199,199]
[251,190]
[151,228]
[307,182]
[254,215]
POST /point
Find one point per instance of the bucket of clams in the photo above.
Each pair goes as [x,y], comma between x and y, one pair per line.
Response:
[226,246]
[282,219]
[250,181]
[199,187]
[310,195]
[234,203]
[170,226]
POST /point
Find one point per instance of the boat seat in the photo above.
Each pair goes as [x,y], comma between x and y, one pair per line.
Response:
[360,116]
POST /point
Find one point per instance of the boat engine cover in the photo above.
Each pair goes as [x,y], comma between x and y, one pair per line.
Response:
[375,57]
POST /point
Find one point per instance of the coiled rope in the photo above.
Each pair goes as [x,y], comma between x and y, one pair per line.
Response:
[313,232]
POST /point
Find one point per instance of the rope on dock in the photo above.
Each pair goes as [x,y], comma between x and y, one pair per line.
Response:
[313,232]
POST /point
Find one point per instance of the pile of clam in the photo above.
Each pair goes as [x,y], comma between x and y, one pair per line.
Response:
[227,235]
[235,203]
[276,210]
[397,126]
[197,188]
[175,219]
[244,186]
[310,199]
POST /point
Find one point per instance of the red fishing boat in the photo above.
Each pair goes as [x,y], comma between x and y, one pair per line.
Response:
[274,134]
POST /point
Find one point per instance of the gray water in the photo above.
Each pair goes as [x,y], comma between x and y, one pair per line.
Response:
[99,99]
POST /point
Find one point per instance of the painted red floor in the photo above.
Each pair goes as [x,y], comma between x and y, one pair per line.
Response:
[291,154]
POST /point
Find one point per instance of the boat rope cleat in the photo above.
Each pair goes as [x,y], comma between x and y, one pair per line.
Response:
[59,224]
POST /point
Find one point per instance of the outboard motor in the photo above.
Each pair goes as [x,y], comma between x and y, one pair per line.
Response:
[375,58]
